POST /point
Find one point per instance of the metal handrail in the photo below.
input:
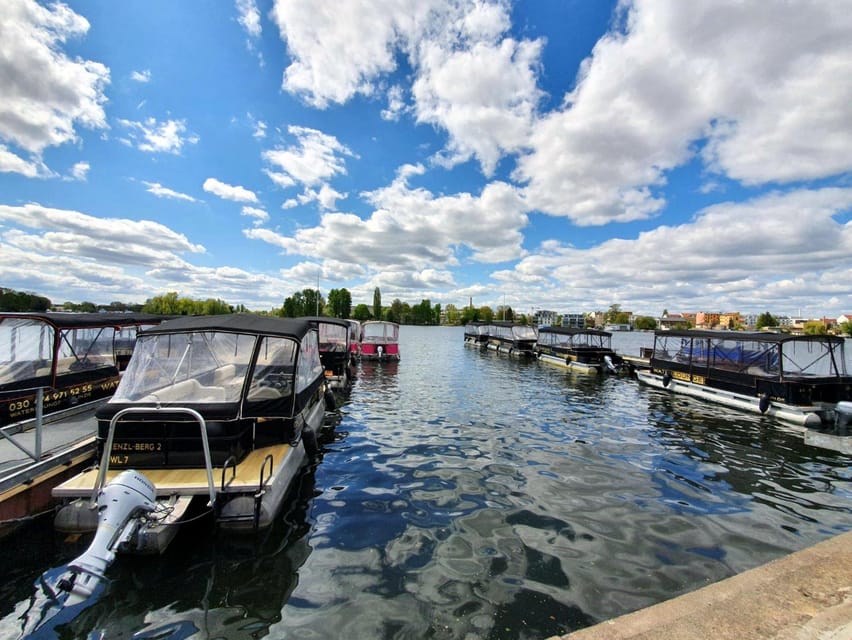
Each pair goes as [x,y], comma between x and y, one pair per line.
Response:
[39,415]
[104,466]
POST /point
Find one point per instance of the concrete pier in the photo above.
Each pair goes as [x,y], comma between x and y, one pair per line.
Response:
[806,595]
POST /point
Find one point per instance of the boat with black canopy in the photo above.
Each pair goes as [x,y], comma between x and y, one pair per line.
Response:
[334,350]
[582,350]
[512,339]
[801,379]
[476,334]
[55,370]
[219,411]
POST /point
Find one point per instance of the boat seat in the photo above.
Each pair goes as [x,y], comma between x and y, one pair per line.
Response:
[187,389]
[224,375]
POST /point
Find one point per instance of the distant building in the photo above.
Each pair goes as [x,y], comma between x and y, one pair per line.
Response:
[706,320]
[574,320]
[544,318]
[730,320]
[673,321]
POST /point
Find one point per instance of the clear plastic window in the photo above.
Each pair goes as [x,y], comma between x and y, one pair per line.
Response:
[200,367]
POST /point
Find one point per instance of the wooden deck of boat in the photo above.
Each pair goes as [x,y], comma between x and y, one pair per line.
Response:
[188,481]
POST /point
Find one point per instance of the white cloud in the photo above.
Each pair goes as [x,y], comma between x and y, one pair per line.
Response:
[249,17]
[260,216]
[93,233]
[12,163]
[153,136]
[396,104]
[732,256]
[469,81]
[411,230]
[164,192]
[767,90]
[484,96]
[46,94]
[80,170]
[141,76]
[314,159]
[228,192]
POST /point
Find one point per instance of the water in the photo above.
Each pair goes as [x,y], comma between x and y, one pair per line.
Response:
[463,494]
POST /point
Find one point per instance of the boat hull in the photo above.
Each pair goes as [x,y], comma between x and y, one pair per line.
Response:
[810,416]
[570,364]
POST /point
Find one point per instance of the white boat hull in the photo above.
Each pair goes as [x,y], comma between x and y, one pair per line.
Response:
[571,365]
[804,416]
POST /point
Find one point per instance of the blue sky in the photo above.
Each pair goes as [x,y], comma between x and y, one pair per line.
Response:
[566,155]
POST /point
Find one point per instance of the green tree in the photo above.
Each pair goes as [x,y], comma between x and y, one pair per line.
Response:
[436,314]
[815,328]
[166,304]
[846,327]
[11,300]
[644,322]
[361,312]
[377,304]
[468,314]
[765,319]
[504,313]
[339,303]
[453,315]
[616,316]
[486,314]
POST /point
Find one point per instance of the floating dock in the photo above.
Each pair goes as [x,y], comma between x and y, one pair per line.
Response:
[806,595]
[65,443]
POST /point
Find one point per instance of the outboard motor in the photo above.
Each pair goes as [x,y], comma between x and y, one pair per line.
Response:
[842,417]
[610,364]
[380,350]
[120,503]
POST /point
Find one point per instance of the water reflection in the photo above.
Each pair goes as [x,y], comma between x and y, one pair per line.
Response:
[464,494]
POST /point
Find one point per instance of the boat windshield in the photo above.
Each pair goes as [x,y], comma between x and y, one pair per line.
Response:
[26,349]
[198,367]
[378,331]
[524,332]
[332,337]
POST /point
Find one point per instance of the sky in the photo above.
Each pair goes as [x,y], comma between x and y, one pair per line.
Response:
[544,154]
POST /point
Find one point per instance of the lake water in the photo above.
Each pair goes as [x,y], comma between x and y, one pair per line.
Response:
[463,494]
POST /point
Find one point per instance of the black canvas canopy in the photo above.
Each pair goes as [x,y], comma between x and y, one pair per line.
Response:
[295,328]
[753,336]
[63,320]
[573,331]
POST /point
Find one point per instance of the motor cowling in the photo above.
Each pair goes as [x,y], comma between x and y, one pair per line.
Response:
[842,417]
[120,502]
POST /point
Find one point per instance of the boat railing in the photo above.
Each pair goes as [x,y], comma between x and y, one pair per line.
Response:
[17,428]
[105,457]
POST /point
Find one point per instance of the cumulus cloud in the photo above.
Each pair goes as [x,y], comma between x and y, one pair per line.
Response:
[141,76]
[396,104]
[469,80]
[12,163]
[228,192]
[46,93]
[411,230]
[164,192]
[80,171]
[91,232]
[260,216]
[761,96]
[154,136]
[745,256]
[312,161]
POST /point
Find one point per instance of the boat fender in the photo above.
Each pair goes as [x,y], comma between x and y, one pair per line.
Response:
[667,378]
[764,403]
[330,402]
[309,438]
